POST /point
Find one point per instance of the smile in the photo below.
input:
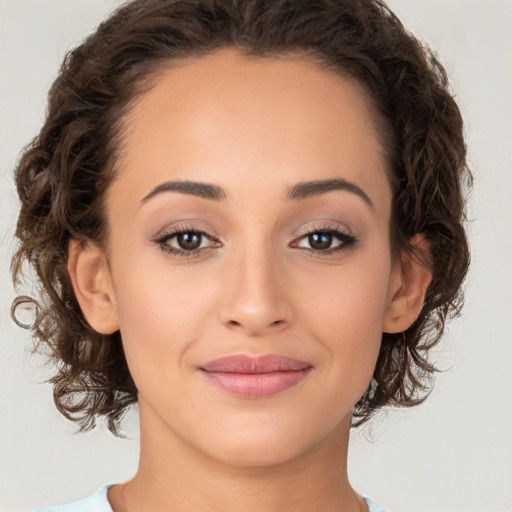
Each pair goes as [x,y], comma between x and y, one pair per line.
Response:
[255,377]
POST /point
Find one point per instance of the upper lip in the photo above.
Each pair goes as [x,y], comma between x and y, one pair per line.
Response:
[241,363]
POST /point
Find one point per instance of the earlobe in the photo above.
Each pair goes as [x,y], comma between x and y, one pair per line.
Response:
[408,287]
[90,276]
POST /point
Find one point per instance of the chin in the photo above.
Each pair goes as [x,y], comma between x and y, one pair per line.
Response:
[272,444]
[259,453]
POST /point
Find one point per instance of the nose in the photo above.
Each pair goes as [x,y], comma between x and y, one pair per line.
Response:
[254,296]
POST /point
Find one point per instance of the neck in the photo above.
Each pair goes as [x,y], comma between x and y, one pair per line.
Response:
[173,475]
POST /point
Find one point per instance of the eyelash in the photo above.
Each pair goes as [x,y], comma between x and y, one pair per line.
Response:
[346,241]
[162,240]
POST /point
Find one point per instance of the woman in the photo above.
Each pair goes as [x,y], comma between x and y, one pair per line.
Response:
[247,218]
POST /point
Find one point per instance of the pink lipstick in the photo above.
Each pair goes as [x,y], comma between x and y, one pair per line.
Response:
[255,377]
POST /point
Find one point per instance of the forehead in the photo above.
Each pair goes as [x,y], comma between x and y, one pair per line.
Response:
[266,122]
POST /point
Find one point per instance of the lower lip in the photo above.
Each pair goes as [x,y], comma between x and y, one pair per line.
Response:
[256,385]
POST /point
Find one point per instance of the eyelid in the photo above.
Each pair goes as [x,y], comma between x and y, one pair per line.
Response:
[346,238]
[322,227]
[169,233]
[185,224]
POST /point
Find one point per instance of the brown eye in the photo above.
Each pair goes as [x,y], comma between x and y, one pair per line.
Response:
[325,241]
[189,241]
[186,242]
[319,241]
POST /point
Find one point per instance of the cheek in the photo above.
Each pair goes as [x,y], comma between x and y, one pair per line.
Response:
[161,313]
[350,298]
[160,295]
[344,311]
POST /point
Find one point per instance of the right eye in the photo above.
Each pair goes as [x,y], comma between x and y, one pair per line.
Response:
[185,242]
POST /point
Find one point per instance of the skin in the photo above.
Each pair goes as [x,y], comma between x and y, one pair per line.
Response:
[256,128]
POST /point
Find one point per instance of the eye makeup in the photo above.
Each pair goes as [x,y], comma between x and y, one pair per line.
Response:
[186,241]
[322,240]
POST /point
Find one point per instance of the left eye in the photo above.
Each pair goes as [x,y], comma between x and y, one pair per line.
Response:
[324,240]
[189,241]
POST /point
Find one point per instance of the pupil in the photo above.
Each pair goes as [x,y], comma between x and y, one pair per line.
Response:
[320,240]
[189,241]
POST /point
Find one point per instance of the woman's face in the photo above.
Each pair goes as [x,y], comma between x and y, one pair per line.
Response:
[277,245]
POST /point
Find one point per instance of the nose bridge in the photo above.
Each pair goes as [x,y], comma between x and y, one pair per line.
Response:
[254,300]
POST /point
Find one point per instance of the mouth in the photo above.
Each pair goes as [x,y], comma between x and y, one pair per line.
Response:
[255,377]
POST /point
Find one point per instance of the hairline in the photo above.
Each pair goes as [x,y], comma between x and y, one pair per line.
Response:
[157,68]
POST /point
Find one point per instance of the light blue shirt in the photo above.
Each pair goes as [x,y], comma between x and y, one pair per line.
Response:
[98,502]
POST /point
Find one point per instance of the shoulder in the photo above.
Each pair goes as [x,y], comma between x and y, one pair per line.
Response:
[372,506]
[97,502]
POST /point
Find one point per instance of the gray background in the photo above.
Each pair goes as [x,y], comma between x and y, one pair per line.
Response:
[454,453]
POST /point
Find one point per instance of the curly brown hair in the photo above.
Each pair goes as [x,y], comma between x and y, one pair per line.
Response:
[63,174]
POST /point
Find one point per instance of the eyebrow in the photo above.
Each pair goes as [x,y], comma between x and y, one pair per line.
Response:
[193,188]
[308,189]
[298,192]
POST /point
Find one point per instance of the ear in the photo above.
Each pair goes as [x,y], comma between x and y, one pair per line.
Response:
[408,285]
[90,276]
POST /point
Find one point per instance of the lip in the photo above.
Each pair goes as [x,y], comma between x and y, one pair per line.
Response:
[255,377]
